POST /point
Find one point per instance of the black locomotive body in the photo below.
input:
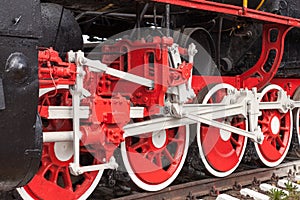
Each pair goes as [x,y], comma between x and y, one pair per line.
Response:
[21,134]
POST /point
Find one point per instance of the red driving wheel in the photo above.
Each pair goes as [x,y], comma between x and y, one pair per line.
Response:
[53,179]
[153,160]
[277,130]
[220,151]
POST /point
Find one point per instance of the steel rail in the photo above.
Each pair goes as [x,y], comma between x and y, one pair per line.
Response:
[203,187]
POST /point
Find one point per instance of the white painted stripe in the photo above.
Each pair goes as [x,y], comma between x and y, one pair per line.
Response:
[255,195]
[226,197]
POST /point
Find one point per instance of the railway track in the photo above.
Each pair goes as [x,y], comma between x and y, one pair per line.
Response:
[212,186]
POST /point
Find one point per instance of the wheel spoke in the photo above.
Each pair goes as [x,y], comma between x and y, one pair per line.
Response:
[44,168]
[146,154]
[273,142]
[263,122]
[284,128]
[266,98]
[54,174]
[265,129]
[67,179]
[234,141]
[158,160]
[282,115]
[168,155]
[268,138]
[141,143]
[280,142]
[176,140]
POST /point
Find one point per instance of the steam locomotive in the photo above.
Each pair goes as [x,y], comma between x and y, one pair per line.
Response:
[158,79]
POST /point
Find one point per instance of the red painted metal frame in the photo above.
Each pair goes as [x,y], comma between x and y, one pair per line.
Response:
[137,54]
[234,10]
[259,70]
[289,85]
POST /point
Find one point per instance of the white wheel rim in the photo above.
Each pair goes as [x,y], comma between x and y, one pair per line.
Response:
[297,123]
[209,168]
[296,113]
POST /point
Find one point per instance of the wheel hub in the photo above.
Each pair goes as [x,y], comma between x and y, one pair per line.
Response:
[275,125]
[225,135]
[63,150]
[159,138]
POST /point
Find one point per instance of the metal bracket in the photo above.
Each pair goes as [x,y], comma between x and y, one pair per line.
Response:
[98,66]
[178,95]
[77,93]
[76,170]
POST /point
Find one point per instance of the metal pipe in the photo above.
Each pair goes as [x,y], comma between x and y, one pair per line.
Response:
[245,3]
[114,14]
[168,20]
[138,21]
[260,5]
[62,136]
[142,14]
[140,18]
[155,16]
[219,43]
